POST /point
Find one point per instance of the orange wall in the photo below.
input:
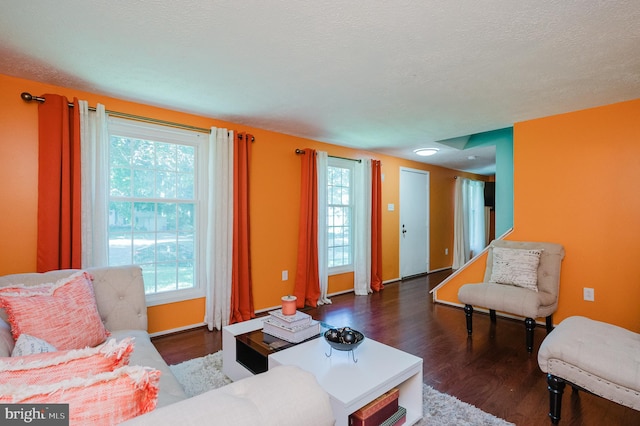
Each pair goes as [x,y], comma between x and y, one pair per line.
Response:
[575,178]
[274,199]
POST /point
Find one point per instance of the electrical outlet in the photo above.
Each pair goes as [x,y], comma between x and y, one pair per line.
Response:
[589,294]
[285,275]
[446,251]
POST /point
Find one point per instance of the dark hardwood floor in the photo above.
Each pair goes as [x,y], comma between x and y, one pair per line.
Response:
[491,370]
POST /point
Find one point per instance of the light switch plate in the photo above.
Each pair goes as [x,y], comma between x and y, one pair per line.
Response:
[589,294]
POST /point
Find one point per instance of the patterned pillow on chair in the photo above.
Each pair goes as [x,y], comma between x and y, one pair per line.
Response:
[517,267]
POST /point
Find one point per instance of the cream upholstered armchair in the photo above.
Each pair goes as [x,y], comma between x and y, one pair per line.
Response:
[521,278]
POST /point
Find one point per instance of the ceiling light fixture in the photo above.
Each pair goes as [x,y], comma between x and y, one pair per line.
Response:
[425,152]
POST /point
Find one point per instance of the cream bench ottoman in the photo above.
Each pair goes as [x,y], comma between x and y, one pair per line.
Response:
[593,356]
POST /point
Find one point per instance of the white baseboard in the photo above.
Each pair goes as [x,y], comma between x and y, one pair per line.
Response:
[338,293]
[432,271]
[175,330]
[259,311]
[439,269]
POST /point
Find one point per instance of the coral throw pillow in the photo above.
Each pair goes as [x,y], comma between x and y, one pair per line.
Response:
[63,314]
[52,367]
[103,399]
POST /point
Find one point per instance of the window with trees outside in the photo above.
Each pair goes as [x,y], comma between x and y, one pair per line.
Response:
[340,206]
[154,206]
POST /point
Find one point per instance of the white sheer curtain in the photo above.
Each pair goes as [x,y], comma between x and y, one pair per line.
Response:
[469,221]
[362,228]
[94,143]
[322,162]
[219,244]
[460,252]
[477,238]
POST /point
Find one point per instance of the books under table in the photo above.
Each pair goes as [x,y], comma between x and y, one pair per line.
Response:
[296,320]
[291,334]
[383,410]
[398,418]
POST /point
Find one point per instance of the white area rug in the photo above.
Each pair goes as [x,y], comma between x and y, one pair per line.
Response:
[202,374]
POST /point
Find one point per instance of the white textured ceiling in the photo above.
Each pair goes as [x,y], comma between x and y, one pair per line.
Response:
[385,76]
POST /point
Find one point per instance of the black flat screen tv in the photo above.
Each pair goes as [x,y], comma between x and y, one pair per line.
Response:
[490,194]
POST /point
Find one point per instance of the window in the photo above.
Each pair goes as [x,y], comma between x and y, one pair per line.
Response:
[154,206]
[340,207]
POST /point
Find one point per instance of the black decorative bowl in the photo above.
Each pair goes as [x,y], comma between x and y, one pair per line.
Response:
[343,339]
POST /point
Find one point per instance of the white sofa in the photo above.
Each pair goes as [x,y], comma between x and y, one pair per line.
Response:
[282,396]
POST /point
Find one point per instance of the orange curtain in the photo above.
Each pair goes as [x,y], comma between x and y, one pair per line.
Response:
[307,287]
[241,285]
[59,244]
[376,226]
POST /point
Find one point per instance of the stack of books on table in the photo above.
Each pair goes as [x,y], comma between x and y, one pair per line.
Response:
[382,411]
[292,328]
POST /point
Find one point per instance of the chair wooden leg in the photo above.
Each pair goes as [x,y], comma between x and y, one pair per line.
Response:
[530,324]
[492,315]
[468,312]
[556,388]
[549,324]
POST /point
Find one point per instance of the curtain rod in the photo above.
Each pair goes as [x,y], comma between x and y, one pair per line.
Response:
[28,97]
[301,151]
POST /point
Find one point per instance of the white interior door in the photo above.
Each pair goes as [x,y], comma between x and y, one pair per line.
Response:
[414,222]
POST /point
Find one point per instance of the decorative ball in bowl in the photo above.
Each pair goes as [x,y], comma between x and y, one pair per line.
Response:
[343,339]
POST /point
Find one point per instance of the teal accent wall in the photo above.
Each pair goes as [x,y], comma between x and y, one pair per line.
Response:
[503,141]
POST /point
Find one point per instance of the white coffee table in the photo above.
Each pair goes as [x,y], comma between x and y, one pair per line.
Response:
[350,384]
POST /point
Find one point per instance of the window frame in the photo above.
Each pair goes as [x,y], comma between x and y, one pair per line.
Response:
[350,165]
[199,141]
